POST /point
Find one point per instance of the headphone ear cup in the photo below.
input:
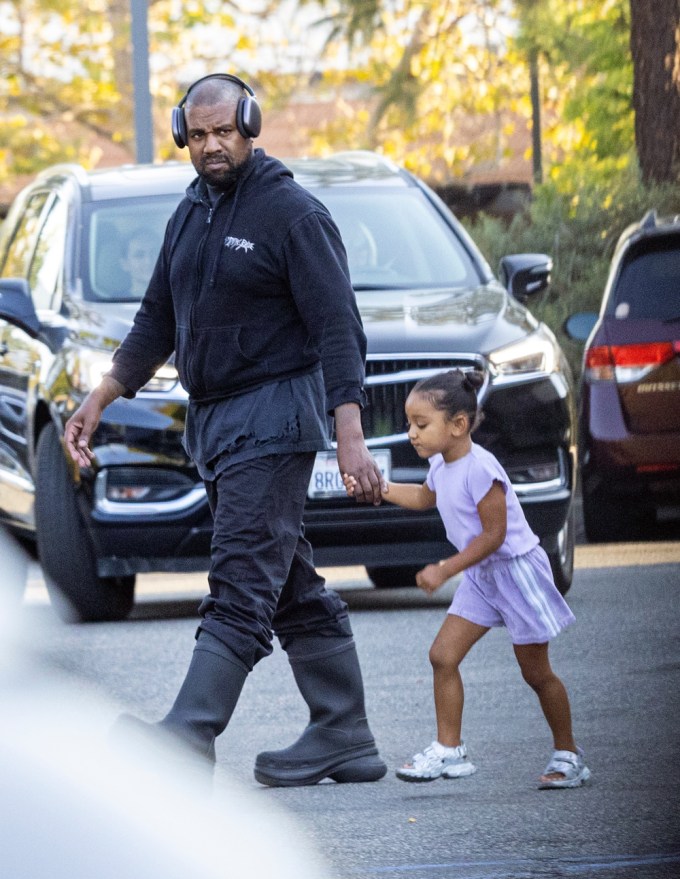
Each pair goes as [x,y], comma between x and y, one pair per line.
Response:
[179,127]
[248,117]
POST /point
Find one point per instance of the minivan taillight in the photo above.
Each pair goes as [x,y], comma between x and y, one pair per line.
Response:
[627,363]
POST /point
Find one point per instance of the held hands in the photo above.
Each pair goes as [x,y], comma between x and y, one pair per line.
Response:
[354,457]
[351,483]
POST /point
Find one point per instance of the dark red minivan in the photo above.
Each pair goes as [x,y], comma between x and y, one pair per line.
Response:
[630,388]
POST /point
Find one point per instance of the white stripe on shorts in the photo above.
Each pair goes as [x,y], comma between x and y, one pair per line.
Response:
[525,578]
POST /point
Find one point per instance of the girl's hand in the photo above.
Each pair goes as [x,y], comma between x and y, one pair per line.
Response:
[350,483]
[431,578]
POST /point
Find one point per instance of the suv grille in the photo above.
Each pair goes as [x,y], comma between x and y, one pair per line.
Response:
[389,382]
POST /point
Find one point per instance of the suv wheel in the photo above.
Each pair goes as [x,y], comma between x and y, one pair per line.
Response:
[64,547]
[561,558]
[393,578]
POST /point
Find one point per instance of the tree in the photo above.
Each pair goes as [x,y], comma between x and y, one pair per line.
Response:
[655,46]
[66,73]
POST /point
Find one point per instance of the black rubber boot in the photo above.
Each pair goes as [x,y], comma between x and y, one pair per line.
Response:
[337,743]
[204,704]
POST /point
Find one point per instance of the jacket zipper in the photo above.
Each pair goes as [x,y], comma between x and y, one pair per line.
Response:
[199,275]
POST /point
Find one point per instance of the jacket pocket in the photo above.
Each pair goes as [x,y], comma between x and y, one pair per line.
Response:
[224,359]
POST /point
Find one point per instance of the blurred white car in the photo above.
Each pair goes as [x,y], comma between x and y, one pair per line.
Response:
[74,805]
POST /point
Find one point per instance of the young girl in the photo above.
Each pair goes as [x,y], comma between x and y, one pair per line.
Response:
[507,579]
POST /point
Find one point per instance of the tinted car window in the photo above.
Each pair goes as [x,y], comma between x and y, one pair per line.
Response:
[396,238]
[45,270]
[649,283]
[122,242]
[21,246]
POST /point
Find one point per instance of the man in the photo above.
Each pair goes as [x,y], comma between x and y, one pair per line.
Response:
[251,291]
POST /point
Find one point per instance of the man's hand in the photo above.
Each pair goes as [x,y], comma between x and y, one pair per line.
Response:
[354,458]
[83,423]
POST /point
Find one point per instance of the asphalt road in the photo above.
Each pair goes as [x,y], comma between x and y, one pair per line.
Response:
[621,664]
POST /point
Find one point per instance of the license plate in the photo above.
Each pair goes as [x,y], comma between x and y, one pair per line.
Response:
[326,481]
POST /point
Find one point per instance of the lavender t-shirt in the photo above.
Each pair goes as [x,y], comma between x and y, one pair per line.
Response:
[461,485]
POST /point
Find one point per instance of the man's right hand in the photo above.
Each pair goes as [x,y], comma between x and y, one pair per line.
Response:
[83,423]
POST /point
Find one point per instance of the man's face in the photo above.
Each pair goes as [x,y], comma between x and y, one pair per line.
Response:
[217,150]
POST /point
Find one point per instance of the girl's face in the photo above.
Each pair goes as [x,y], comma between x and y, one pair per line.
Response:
[433,431]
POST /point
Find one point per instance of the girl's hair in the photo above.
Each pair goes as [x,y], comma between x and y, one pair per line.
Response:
[453,392]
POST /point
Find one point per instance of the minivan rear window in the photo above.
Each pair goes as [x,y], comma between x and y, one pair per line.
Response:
[648,286]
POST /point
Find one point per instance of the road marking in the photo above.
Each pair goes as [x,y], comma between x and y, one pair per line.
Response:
[614,555]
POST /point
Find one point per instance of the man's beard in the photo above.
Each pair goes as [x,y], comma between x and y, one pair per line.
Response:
[223,177]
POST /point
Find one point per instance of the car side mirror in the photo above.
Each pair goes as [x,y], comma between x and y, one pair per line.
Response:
[525,274]
[16,305]
[580,325]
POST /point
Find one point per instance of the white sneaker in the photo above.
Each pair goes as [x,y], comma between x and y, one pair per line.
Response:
[437,761]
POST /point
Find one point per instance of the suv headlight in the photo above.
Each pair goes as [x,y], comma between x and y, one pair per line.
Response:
[535,353]
[89,366]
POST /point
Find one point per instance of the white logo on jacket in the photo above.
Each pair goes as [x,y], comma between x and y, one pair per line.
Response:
[238,243]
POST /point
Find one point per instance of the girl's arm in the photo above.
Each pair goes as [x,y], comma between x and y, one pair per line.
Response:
[409,495]
[404,494]
[493,515]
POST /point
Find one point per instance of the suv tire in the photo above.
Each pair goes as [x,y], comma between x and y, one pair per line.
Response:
[562,557]
[77,593]
[395,577]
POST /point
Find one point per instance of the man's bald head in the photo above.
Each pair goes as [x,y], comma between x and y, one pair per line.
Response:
[214,91]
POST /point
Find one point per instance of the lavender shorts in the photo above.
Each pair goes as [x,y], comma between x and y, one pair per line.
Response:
[518,593]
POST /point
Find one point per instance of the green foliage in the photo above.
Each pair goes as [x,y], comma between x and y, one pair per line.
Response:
[578,225]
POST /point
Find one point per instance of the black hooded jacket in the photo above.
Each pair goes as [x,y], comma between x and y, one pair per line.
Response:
[253,290]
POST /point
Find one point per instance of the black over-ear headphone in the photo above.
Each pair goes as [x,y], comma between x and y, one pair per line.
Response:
[248,113]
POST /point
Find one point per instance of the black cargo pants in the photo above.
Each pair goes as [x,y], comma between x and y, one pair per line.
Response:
[262,577]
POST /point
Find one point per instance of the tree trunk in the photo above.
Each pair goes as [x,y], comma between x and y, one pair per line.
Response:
[655,31]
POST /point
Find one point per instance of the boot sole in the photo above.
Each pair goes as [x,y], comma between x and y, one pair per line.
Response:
[355,770]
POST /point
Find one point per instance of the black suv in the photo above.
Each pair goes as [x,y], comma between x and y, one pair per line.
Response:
[429,302]
[630,391]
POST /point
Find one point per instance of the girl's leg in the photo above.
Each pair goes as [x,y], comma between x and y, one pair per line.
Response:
[454,640]
[537,672]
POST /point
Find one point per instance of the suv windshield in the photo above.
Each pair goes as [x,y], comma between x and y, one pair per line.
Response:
[649,283]
[393,239]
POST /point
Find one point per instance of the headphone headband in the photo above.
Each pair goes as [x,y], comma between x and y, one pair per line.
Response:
[248,113]
[226,76]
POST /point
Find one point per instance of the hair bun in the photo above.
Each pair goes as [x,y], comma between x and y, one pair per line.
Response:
[473,380]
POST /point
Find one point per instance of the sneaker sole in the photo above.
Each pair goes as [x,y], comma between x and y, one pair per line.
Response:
[462,772]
